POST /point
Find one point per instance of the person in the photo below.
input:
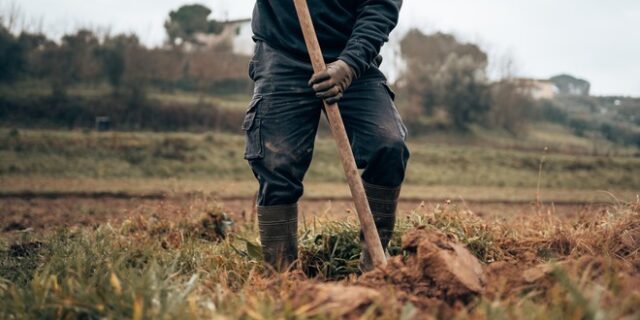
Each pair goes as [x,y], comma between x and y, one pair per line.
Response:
[282,119]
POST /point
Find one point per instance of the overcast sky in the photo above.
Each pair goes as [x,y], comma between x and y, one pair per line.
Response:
[593,39]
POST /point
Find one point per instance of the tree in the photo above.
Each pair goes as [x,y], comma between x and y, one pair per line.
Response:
[12,56]
[571,85]
[32,41]
[510,107]
[463,91]
[433,50]
[113,54]
[446,75]
[73,60]
[34,44]
[188,20]
[79,50]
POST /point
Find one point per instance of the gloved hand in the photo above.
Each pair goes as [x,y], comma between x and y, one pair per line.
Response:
[331,83]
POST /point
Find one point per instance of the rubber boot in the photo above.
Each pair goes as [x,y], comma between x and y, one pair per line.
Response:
[383,202]
[279,235]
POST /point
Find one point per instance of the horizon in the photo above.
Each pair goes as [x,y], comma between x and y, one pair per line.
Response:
[550,38]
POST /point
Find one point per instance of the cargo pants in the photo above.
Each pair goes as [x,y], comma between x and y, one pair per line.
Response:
[282,121]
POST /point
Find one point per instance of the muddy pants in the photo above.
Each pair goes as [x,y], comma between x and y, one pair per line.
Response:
[282,121]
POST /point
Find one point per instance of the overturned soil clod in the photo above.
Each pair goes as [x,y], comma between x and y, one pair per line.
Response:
[435,267]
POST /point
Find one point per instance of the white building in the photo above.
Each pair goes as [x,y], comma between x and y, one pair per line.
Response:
[235,34]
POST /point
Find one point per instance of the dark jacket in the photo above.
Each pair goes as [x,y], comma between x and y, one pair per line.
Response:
[349,30]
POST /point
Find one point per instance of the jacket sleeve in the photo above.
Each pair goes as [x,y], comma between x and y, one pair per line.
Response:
[374,21]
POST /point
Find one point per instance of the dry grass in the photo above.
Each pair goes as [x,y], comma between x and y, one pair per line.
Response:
[245,188]
[197,265]
[217,156]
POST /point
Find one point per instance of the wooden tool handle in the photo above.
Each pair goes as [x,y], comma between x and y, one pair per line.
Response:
[371,236]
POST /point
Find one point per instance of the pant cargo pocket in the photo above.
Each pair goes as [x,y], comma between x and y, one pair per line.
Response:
[398,119]
[392,94]
[253,136]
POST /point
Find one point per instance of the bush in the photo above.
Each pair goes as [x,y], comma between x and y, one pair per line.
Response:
[548,111]
[579,126]
[620,134]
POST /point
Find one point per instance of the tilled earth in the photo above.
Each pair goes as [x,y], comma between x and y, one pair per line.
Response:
[542,247]
[45,214]
[441,278]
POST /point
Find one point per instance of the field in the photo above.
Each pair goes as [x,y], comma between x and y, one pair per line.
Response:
[162,225]
[218,156]
[196,258]
[37,88]
[124,193]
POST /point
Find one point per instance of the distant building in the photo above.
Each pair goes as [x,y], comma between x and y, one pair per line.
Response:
[537,89]
[235,34]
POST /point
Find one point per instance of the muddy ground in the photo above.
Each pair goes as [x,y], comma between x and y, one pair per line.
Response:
[41,213]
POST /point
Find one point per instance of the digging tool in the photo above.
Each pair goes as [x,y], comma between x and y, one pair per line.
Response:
[371,237]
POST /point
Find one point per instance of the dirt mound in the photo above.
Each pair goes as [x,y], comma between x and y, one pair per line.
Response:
[436,267]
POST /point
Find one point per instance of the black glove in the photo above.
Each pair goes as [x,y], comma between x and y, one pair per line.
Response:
[331,83]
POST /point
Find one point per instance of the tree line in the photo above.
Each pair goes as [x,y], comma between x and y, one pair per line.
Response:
[444,87]
[446,81]
[122,60]
[88,58]
[448,86]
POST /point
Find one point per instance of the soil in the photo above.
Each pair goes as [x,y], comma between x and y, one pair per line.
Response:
[41,213]
[436,273]
[445,287]
[440,276]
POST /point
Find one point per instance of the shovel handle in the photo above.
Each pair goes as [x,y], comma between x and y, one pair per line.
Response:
[371,237]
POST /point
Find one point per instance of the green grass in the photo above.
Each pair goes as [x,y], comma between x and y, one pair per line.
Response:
[557,138]
[232,101]
[40,88]
[537,136]
[211,156]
